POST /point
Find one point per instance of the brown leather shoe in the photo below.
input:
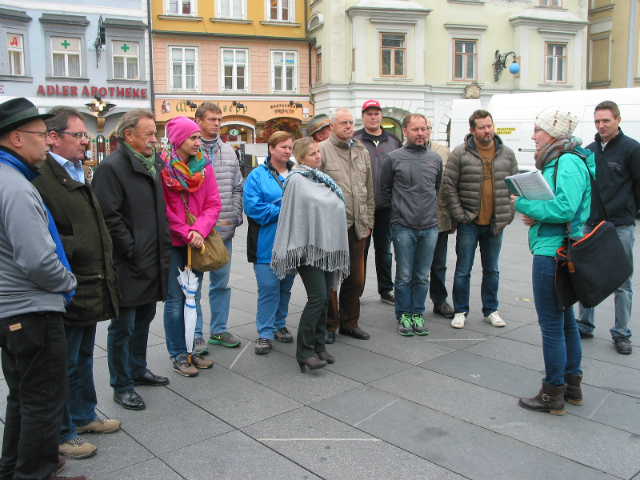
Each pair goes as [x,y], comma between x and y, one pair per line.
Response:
[549,399]
[313,363]
[573,393]
[200,362]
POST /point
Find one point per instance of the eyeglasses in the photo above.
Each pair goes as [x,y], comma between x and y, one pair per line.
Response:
[78,135]
[42,135]
[346,122]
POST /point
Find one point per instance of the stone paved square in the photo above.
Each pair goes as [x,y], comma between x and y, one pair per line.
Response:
[442,406]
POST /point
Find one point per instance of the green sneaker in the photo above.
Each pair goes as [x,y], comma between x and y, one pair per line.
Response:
[418,325]
[225,339]
[405,325]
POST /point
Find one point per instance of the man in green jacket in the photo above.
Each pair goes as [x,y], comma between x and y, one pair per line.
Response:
[479,203]
[88,247]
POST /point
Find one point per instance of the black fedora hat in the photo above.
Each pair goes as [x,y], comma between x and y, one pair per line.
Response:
[17,112]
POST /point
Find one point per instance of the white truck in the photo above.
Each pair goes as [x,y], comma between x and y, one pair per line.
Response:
[514,115]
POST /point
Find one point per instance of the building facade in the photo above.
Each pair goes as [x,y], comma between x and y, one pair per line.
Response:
[252,57]
[614,44]
[89,54]
[418,56]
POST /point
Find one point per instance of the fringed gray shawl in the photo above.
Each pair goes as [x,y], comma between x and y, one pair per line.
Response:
[312,230]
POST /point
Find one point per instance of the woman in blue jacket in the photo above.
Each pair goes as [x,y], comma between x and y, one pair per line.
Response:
[564,166]
[262,197]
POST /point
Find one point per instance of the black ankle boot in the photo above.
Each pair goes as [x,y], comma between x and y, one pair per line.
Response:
[573,393]
[312,362]
[549,399]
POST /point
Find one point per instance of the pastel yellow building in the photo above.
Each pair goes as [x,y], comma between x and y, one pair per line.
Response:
[418,56]
[252,57]
[613,44]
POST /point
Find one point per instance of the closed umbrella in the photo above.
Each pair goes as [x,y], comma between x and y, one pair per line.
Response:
[189,284]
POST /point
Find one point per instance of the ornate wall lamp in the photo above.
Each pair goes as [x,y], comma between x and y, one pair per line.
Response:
[501,63]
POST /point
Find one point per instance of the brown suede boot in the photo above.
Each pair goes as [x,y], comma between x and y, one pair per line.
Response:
[549,399]
[573,393]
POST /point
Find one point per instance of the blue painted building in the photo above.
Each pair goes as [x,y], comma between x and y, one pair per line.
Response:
[89,54]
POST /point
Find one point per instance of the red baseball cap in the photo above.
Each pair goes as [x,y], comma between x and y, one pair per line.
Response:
[370,104]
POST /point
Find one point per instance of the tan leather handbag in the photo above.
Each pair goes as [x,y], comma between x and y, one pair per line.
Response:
[213,255]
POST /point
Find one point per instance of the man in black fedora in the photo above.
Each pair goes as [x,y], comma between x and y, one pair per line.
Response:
[36,285]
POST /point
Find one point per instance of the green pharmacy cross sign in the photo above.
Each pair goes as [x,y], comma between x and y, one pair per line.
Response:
[65,44]
[125,47]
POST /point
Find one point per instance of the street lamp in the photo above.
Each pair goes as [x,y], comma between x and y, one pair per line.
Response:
[501,63]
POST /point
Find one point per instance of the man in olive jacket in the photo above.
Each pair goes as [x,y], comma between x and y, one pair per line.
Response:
[128,186]
[347,162]
[479,203]
[87,244]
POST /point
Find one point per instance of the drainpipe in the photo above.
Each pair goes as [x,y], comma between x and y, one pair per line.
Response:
[631,44]
[151,80]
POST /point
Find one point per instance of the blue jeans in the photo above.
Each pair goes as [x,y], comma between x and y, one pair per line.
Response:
[127,345]
[219,298]
[273,300]
[437,287]
[381,235]
[414,253]
[174,305]
[469,235]
[623,296]
[561,345]
[80,407]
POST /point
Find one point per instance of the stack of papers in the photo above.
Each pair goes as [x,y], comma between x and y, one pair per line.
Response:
[530,185]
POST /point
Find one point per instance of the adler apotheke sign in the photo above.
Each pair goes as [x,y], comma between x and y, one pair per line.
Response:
[86,91]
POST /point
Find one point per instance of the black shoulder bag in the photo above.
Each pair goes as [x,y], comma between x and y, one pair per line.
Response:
[590,268]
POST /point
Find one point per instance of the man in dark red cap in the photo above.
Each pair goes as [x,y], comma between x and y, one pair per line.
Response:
[379,143]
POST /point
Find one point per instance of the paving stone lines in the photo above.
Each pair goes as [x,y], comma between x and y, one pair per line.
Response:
[437,407]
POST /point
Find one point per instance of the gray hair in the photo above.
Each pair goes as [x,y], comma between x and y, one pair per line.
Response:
[334,114]
[129,120]
[60,122]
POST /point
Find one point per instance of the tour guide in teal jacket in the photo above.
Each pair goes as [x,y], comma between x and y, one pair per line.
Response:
[572,203]
[564,166]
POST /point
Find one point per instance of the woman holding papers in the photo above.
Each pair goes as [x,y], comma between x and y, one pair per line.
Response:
[563,164]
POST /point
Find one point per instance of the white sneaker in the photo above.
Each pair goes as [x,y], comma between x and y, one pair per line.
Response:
[495,320]
[458,320]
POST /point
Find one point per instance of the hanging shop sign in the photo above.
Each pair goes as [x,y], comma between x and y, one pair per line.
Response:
[74,91]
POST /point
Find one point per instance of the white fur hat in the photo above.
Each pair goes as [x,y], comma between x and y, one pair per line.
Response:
[556,122]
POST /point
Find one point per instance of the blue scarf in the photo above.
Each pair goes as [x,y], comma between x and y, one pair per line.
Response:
[316,176]
[31,175]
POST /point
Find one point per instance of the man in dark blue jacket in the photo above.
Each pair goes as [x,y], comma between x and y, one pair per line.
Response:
[618,181]
[409,182]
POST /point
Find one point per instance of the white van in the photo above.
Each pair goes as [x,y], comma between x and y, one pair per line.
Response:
[514,116]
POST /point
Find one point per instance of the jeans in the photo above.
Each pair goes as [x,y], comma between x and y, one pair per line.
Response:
[347,315]
[469,235]
[174,305]
[381,235]
[623,296]
[219,297]
[80,408]
[561,345]
[313,321]
[127,345]
[273,300]
[437,287]
[414,254]
[34,363]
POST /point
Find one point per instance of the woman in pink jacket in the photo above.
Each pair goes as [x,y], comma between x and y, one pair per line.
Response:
[188,181]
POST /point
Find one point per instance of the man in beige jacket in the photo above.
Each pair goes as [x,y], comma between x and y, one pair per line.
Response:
[346,160]
[437,287]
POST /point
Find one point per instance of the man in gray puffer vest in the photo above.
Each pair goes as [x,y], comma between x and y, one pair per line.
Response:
[230,182]
[479,202]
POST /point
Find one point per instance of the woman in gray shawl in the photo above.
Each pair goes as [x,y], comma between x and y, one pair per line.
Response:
[312,239]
